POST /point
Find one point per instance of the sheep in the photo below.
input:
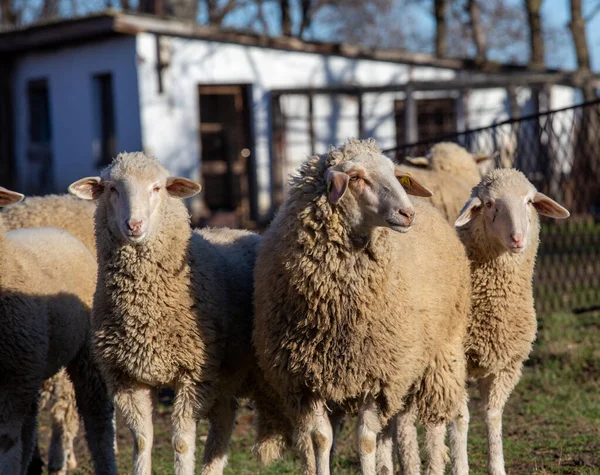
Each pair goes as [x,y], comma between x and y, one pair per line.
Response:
[450,172]
[77,217]
[499,227]
[44,308]
[332,267]
[55,211]
[172,308]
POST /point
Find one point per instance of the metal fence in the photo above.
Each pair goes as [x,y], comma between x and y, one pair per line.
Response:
[559,151]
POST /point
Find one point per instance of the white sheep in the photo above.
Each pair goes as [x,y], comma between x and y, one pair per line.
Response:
[172,308]
[450,172]
[499,228]
[47,279]
[344,307]
[77,217]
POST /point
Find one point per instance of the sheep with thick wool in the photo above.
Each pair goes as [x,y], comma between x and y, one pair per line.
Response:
[450,172]
[77,217]
[172,308]
[355,308]
[47,280]
[499,227]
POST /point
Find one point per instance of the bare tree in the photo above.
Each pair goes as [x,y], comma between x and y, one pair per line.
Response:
[286,18]
[479,38]
[306,17]
[536,39]
[440,7]
[9,16]
[50,9]
[577,27]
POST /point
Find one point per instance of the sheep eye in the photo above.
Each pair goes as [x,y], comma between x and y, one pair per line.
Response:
[488,204]
[354,177]
[156,189]
[529,202]
[114,190]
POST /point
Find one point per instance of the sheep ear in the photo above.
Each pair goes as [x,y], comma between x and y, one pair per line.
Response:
[89,188]
[468,212]
[412,186]
[8,197]
[179,187]
[418,161]
[337,184]
[548,207]
[484,158]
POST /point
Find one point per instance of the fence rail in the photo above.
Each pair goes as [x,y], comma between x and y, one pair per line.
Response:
[559,151]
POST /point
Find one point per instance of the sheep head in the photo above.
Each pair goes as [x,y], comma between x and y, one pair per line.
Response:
[133,188]
[371,189]
[507,203]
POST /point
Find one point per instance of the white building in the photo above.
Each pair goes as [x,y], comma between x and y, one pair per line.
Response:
[235,111]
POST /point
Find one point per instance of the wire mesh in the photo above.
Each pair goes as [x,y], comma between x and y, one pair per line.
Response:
[559,151]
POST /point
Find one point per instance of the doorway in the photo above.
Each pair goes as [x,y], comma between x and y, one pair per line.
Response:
[226,155]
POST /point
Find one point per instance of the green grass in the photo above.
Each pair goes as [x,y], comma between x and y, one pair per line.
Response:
[551,421]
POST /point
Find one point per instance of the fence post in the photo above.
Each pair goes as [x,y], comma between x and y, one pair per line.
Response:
[410,116]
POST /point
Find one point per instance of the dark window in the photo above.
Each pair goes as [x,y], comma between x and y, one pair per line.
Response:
[104,146]
[40,131]
[435,117]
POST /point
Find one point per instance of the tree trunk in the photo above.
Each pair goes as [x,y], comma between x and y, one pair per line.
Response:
[585,175]
[477,30]
[577,27]
[440,27]
[305,5]
[8,14]
[125,5]
[50,9]
[286,19]
[535,33]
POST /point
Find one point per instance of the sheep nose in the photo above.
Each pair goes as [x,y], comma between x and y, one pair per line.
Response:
[517,238]
[409,214]
[135,226]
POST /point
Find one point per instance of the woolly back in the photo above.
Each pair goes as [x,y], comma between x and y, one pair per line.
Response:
[454,159]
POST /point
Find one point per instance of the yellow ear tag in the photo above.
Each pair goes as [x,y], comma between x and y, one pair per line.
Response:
[405,180]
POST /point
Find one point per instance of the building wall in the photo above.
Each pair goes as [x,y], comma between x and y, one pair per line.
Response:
[193,62]
[69,72]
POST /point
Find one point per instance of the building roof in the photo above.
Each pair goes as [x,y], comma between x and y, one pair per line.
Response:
[110,23]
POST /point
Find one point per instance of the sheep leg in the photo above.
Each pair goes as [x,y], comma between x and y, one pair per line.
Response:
[495,390]
[65,425]
[96,408]
[408,444]
[436,449]
[29,436]
[367,429]
[188,398]
[385,449]
[314,435]
[459,429]
[222,421]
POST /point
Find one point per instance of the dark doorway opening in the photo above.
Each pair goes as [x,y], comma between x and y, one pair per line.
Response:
[226,155]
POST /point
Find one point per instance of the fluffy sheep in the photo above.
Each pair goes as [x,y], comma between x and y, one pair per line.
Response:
[77,217]
[499,228]
[356,309]
[450,172]
[54,211]
[47,280]
[172,308]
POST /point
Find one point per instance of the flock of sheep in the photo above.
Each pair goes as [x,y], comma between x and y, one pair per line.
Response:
[357,300]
